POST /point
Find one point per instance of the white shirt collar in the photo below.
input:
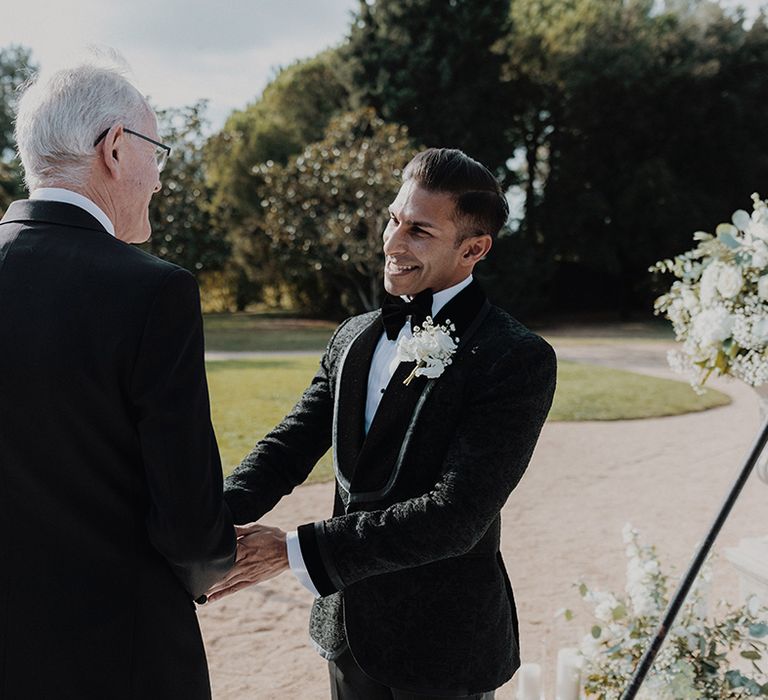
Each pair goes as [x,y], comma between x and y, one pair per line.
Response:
[59,194]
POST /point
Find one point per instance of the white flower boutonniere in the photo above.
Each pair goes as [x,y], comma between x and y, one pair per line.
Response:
[431,347]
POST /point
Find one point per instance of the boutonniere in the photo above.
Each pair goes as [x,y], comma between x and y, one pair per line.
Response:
[431,348]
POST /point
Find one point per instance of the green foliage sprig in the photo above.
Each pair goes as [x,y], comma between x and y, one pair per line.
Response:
[716,656]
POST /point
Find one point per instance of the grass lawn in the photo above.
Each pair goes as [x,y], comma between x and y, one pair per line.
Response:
[589,392]
[249,397]
[256,332]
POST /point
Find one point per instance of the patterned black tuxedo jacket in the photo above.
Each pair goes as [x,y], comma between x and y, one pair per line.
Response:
[409,565]
[111,509]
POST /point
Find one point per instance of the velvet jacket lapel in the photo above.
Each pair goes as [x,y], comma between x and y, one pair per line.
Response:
[368,466]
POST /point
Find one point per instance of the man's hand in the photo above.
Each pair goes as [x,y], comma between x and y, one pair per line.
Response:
[261,555]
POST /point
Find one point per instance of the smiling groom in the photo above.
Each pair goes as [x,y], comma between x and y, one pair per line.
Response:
[413,600]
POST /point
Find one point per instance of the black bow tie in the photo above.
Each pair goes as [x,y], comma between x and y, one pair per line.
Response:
[395,310]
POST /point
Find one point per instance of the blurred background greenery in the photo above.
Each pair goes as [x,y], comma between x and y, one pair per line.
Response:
[617,126]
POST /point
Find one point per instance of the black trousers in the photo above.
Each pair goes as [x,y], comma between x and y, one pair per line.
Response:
[349,682]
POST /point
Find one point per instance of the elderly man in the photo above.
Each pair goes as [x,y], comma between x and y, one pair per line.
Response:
[413,600]
[111,512]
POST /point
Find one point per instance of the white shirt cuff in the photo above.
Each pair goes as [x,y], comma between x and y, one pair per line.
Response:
[296,562]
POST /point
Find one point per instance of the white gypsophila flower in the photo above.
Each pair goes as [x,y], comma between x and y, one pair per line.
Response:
[729,281]
[604,609]
[629,534]
[750,332]
[751,368]
[712,326]
[677,312]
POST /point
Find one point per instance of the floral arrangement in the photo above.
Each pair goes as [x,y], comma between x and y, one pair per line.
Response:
[702,657]
[431,347]
[718,305]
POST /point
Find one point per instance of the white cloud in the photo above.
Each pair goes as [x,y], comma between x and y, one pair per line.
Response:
[182,51]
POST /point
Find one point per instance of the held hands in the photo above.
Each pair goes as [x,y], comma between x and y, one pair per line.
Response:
[261,555]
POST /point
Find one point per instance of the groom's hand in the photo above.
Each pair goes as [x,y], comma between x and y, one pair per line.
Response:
[261,555]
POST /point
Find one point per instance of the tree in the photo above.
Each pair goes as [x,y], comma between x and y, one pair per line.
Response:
[293,111]
[16,67]
[326,209]
[181,221]
[431,66]
[643,125]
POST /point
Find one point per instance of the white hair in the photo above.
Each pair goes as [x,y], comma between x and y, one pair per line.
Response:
[59,118]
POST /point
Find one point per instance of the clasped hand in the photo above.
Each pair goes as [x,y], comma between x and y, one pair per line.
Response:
[261,555]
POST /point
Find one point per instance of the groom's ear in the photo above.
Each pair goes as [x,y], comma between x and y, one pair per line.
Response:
[476,248]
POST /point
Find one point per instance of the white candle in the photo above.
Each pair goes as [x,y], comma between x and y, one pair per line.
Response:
[568,682]
[529,682]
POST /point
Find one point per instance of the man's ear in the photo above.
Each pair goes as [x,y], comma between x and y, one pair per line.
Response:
[110,150]
[476,248]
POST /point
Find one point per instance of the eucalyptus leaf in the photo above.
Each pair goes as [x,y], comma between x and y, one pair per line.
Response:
[741,219]
[727,237]
[753,655]
[597,631]
[735,679]
[759,629]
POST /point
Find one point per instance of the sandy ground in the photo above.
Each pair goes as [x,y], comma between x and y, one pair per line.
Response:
[561,525]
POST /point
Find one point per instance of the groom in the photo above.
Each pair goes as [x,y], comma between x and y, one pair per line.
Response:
[413,600]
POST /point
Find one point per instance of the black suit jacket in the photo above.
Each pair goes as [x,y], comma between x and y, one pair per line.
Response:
[409,565]
[111,510]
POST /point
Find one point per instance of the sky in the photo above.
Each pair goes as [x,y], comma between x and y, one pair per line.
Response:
[184,50]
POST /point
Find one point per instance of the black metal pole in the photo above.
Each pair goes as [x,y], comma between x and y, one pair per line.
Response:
[644,666]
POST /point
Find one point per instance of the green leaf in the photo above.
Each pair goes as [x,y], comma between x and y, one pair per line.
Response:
[721,362]
[583,590]
[758,630]
[619,612]
[597,631]
[726,234]
[568,614]
[754,655]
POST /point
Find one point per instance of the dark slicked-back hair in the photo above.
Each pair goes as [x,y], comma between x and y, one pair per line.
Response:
[481,208]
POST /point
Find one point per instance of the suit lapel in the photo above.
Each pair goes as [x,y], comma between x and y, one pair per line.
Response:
[351,393]
[383,449]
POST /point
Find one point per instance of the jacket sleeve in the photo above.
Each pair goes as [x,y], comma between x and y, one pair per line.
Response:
[188,522]
[484,462]
[284,458]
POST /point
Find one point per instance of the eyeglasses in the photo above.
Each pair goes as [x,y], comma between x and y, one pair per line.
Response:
[161,150]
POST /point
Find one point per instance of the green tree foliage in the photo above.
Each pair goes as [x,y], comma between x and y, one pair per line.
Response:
[180,213]
[643,125]
[293,111]
[16,66]
[327,208]
[431,65]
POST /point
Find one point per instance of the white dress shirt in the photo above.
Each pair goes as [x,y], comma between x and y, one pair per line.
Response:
[59,194]
[383,366]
